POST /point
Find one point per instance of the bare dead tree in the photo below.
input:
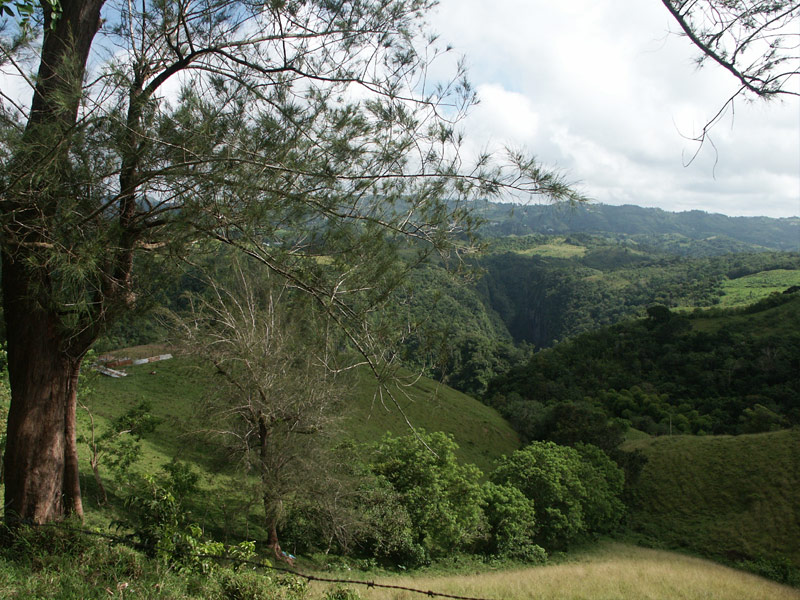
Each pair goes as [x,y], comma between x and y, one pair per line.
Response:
[274,400]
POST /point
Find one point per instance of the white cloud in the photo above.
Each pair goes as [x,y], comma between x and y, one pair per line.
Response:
[503,117]
[601,89]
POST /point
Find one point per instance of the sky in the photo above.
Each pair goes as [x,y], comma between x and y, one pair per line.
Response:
[608,94]
[605,91]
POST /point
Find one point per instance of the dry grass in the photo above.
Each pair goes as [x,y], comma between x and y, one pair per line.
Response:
[617,572]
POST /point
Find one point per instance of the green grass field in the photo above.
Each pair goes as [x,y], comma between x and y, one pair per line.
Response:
[557,248]
[176,390]
[751,288]
[480,432]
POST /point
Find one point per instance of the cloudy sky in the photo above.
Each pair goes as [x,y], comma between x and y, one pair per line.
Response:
[602,90]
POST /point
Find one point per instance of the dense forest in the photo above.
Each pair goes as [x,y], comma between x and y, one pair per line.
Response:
[722,372]
[530,292]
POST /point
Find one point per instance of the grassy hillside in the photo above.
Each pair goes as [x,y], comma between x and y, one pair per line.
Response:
[751,288]
[723,496]
[481,433]
[175,389]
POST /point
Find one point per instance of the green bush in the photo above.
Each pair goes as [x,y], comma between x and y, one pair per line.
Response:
[549,475]
[161,527]
[778,569]
[603,482]
[256,586]
[512,524]
[442,498]
[341,593]
[575,492]
[386,529]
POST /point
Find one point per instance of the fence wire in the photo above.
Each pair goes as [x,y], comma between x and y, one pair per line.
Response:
[261,565]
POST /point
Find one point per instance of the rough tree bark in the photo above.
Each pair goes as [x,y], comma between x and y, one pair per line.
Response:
[41,462]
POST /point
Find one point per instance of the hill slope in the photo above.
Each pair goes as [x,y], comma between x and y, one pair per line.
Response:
[718,371]
[726,234]
[175,390]
[729,497]
[480,432]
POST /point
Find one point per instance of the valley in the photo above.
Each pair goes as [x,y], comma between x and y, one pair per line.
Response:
[654,377]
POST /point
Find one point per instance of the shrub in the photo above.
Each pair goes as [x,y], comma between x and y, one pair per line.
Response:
[778,569]
[442,498]
[341,593]
[512,524]
[603,481]
[548,474]
[575,491]
[256,586]
[161,526]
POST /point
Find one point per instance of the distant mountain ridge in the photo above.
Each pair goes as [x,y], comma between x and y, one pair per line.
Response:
[560,219]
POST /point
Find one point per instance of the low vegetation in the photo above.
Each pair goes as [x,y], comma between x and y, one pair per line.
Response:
[732,498]
[608,572]
[64,566]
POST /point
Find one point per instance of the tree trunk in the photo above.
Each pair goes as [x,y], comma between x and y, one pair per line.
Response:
[41,462]
[272,527]
[272,503]
[103,498]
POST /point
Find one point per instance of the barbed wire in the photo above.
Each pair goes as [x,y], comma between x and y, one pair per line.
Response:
[127,541]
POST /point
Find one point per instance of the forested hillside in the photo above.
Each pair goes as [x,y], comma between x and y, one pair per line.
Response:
[668,230]
[723,372]
[529,292]
[542,298]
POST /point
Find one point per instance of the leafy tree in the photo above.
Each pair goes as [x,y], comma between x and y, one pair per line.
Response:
[474,360]
[759,419]
[306,134]
[697,373]
[603,481]
[549,475]
[442,498]
[569,424]
[162,527]
[353,512]
[511,517]
[575,491]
